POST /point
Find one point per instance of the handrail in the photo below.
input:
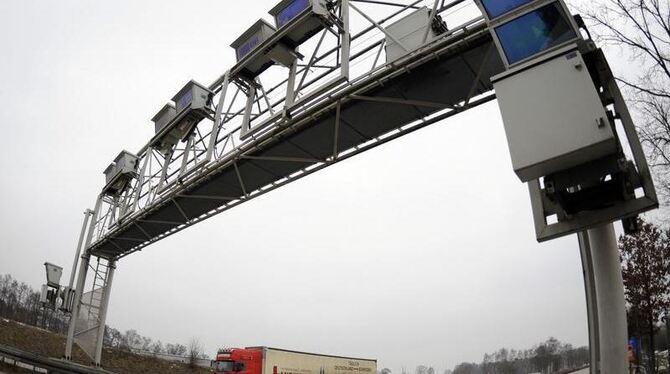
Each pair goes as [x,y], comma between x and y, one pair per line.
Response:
[50,364]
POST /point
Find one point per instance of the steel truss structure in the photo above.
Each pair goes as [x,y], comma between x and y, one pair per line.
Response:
[261,132]
[331,108]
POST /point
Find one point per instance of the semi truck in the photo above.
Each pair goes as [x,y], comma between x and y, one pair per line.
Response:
[266,360]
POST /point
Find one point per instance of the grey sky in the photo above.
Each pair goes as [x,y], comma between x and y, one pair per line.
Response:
[421,251]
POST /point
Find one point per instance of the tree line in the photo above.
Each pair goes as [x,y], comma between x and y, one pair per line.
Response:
[21,303]
[131,340]
[550,356]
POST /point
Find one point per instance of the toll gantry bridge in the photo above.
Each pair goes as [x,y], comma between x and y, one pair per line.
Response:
[333,78]
[231,141]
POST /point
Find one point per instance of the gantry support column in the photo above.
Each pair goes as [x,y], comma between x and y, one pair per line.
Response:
[591,305]
[87,214]
[610,301]
[81,281]
[103,311]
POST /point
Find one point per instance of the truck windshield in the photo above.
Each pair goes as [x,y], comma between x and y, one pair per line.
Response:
[224,366]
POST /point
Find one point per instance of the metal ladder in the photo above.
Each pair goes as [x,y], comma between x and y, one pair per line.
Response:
[91,315]
[100,272]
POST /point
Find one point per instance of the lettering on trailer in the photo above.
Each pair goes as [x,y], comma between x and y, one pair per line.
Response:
[295,371]
[353,366]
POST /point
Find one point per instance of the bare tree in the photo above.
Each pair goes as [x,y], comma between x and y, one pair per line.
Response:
[157,347]
[421,369]
[195,351]
[146,343]
[642,29]
[131,340]
[550,356]
[20,302]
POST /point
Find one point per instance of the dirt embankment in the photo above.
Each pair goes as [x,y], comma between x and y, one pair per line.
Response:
[48,344]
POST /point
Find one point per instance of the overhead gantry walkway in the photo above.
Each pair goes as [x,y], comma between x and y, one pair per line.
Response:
[449,74]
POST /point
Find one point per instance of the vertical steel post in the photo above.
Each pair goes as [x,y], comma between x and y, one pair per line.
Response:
[610,300]
[103,312]
[217,117]
[290,86]
[87,215]
[346,39]
[166,167]
[433,14]
[81,281]
[184,158]
[123,204]
[115,207]
[265,97]
[140,179]
[250,105]
[591,301]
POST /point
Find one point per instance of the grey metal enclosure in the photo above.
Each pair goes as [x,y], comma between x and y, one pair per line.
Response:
[250,39]
[252,64]
[164,116]
[193,95]
[408,33]
[174,123]
[556,102]
[120,172]
[301,19]
[54,273]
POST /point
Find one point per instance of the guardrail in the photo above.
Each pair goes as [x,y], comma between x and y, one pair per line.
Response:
[202,362]
[51,365]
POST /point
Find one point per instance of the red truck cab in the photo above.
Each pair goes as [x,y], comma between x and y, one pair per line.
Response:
[239,361]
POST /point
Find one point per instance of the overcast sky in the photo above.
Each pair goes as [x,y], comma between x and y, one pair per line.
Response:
[421,251]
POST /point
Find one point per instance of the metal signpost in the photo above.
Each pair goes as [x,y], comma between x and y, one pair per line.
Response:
[329,80]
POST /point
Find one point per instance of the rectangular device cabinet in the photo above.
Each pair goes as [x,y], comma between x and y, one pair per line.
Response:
[67,299]
[174,123]
[299,20]
[45,295]
[164,117]
[409,31]
[164,120]
[120,172]
[192,106]
[247,43]
[54,273]
[252,38]
[192,96]
[553,116]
